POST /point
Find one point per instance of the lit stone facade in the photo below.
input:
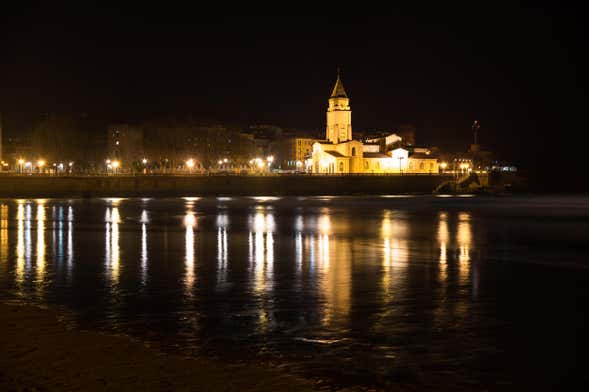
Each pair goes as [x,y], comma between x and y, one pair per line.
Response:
[340,154]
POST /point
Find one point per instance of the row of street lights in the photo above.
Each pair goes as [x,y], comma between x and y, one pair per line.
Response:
[464,167]
[24,165]
[113,165]
[260,163]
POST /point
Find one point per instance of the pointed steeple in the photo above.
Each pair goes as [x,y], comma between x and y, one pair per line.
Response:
[338,89]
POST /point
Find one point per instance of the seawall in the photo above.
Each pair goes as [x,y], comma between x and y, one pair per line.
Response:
[233,185]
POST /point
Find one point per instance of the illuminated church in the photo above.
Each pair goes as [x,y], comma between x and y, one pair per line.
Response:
[340,154]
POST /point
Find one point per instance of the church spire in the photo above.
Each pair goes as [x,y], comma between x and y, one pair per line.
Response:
[338,89]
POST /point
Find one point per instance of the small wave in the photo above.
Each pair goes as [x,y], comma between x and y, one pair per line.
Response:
[320,341]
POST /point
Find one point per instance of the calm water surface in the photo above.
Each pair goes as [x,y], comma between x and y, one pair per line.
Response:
[367,291]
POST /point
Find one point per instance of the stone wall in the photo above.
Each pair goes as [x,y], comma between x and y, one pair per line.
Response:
[49,186]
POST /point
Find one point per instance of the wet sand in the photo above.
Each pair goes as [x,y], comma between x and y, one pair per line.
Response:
[38,352]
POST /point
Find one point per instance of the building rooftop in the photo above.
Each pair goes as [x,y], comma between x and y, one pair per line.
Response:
[421,155]
[338,90]
[375,155]
[335,154]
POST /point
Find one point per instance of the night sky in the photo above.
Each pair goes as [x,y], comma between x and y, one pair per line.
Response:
[519,71]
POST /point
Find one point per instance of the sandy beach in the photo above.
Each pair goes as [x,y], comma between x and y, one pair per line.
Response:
[40,353]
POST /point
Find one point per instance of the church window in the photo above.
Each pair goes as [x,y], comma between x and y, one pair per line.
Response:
[353,151]
[341,167]
[421,165]
[366,165]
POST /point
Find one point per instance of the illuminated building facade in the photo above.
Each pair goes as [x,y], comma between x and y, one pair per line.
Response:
[125,144]
[340,154]
[293,151]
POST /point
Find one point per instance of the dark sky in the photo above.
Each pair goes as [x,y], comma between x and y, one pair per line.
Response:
[519,71]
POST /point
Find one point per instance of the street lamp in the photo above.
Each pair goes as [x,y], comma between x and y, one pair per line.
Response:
[21,162]
[443,166]
[40,164]
[115,165]
[190,165]
[400,168]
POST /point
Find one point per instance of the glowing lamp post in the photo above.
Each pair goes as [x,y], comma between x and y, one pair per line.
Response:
[269,159]
[190,165]
[115,165]
[443,166]
[21,162]
[40,165]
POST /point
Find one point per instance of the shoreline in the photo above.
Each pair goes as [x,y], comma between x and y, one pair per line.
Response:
[40,353]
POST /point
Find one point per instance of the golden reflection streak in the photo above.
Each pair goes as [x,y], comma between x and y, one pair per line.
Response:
[28,241]
[40,243]
[70,238]
[443,237]
[59,248]
[299,243]
[261,243]
[3,233]
[334,262]
[222,251]
[261,250]
[144,220]
[394,232]
[324,230]
[20,243]
[190,223]
[464,241]
[112,250]
[269,256]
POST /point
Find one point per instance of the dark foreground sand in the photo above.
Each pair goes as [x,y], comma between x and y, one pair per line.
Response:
[37,352]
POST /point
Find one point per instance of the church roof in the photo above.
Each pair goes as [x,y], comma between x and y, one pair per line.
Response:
[375,155]
[421,155]
[335,154]
[338,90]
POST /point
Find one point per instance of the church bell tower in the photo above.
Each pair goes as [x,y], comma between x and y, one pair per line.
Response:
[339,115]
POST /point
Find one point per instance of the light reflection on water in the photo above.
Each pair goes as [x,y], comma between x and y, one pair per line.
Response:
[261,248]
[330,278]
[190,224]
[112,249]
[3,234]
[40,244]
